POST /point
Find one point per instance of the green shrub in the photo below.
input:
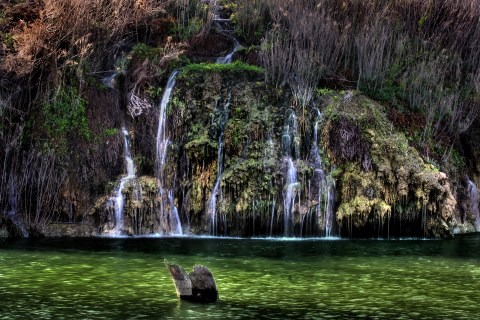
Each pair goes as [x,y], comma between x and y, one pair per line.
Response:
[66,114]
[389,93]
[8,41]
[143,51]
[193,27]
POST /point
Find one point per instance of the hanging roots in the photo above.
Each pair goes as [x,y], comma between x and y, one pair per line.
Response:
[137,105]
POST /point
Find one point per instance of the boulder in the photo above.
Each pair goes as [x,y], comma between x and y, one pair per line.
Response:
[196,286]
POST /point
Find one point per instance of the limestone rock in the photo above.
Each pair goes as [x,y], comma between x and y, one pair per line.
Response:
[196,286]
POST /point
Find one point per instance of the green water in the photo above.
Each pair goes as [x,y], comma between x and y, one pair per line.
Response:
[105,278]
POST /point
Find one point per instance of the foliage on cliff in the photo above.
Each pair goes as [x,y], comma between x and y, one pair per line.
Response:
[59,116]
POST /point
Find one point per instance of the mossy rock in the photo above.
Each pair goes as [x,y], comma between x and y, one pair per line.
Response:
[380,168]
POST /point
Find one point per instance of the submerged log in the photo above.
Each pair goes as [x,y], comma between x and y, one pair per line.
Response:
[196,286]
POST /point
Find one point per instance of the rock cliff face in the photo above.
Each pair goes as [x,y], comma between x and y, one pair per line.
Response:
[242,161]
[84,153]
[384,186]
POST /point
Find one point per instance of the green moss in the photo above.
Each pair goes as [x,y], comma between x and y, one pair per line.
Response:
[324,91]
[397,173]
[200,142]
[236,67]
[176,104]
[336,172]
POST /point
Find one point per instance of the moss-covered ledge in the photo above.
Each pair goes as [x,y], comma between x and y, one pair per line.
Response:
[384,186]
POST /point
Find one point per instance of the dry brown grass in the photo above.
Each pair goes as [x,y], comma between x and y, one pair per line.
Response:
[428,48]
[67,32]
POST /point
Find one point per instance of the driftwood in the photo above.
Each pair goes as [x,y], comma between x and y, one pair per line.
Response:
[196,286]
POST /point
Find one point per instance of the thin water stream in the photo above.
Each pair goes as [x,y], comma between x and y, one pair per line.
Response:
[473,193]
[125,278]
[216,192]
[175,225]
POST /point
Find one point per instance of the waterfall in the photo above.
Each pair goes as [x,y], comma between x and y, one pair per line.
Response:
[12,212]
[109,81]
[228,58]
[226,32]
[290,141]
[317,160]
[272,216]
[212,203]
[291,138]
[119,200]
[128,156]
[329,205]
[174,217]
[289,198]
[473,192]
[270,153]
[325,184]
[161,154]
[319,175]
[216,192]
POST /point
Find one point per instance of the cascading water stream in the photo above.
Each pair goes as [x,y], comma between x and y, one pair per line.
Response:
[290,145]
[128,155]
[289,198]
[219,22]
[161,154]
[473,193]
[119,200]
[212,203]
[109,81]
[175,218]
[329,205]
[270,153]
[325,184]
[228,58]
[12,212]
[216,192]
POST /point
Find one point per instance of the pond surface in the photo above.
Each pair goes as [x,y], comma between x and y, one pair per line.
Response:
[106,278]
